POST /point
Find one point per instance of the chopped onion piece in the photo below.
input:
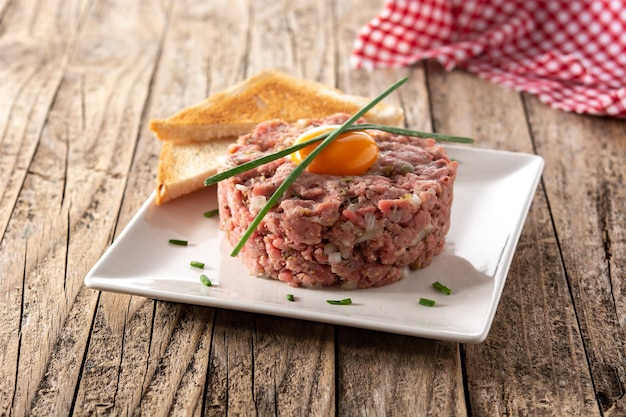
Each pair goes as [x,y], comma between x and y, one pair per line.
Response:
[257,202]
[416,200]
[334,258]
[370,222]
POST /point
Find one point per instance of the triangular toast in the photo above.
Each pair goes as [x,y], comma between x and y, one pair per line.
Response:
[270,94]
[194,138]
[184,167]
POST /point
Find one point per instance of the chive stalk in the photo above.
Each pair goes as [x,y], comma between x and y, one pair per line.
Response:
[197,264]
[293,148]
[442,288]
[426,302]
[305,163]
[205,280]
[178,242]
[344,302]
[210,213]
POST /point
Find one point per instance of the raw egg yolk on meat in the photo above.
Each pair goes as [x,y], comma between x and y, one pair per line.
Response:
[350,153]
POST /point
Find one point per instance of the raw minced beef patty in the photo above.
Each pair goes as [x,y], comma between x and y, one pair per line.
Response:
[356,231]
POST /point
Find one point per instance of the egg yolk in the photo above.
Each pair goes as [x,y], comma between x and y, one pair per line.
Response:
[350,153]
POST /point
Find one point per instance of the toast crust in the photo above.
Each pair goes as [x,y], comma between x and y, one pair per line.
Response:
[270,94]
[194,139]
[184,167]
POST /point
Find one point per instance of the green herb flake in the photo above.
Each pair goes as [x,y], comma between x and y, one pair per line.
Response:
[442,288]
[197,264]
[290,297]
[205,280]
[426,302]
[178,242]
[210,213]
[344,302]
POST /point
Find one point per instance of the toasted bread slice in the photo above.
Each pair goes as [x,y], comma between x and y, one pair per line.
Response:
[184,167]
[270,94]
[195,138]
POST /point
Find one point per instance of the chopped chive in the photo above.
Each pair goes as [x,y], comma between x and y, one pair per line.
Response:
[325,139]
[344,302]
[197,264]
[426,302]
[305,163]
[414,133]
[442,288]
[210,213]
[293,148]
[205,280]
[290,297]
[246,166]
[178,242]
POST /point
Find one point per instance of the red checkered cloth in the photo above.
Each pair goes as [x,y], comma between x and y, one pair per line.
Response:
[570,53]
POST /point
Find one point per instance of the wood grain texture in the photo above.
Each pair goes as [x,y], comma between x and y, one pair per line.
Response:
[585,190]
[536,320]
[79,82]
[33,219]
[382,374]
[76,178]
[294,370]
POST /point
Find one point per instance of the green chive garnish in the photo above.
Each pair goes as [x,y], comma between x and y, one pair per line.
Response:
[414,133]
[210,213]
[178,242]
[426,302]
[197,264]
[325,141]
[305,163]
[205,280]
[344,302]
[293,148]
[290,297]
[442,288]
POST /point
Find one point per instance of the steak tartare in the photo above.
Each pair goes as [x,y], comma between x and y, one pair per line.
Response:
[352,231]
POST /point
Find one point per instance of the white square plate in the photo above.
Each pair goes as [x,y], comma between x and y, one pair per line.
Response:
[493,193]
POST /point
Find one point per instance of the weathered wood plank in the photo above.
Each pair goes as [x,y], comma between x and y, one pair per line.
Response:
[31,69]
[465,105]
[177,361]
[294,36]
[153,364]
[166,373]
[377,375]
[41,245]
[584,181]
[74,186]
[32,59]
[294,370]
[535,323]
[111,381]
[230,383]
[533,363]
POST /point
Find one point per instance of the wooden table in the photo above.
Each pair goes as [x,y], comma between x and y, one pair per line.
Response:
[79,81]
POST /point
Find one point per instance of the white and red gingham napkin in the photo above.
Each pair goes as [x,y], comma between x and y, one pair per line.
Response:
[570,53]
